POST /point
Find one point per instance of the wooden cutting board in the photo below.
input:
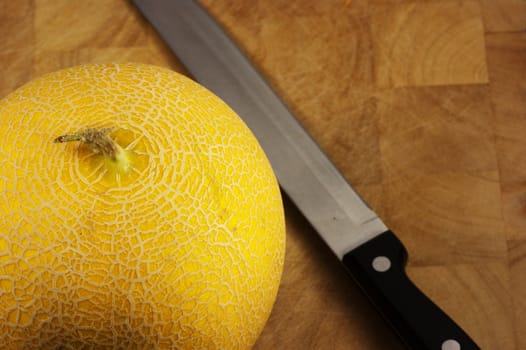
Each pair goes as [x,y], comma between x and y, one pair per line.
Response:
[421,104]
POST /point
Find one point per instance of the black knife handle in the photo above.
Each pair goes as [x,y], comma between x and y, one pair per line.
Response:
[378,267]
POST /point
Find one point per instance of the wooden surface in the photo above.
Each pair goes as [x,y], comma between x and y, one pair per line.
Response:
[420,103]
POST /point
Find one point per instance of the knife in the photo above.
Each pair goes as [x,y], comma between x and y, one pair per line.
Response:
[372,255]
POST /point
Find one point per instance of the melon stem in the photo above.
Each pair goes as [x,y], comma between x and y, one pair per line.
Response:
[98,140]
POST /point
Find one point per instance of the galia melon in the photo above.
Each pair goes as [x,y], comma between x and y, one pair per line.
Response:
[137,211]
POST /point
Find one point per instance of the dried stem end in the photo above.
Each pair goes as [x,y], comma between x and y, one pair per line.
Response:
[99,141]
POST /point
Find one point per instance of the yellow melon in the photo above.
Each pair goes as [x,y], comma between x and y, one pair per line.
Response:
[172,239]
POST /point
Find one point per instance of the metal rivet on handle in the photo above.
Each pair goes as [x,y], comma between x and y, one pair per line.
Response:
[450,344]
[382,264]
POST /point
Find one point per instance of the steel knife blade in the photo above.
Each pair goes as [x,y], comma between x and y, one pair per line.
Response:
[372,255]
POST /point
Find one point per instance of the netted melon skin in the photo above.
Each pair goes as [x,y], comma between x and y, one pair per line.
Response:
[184,251]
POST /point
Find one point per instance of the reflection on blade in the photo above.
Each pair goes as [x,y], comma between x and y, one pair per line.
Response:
[308,177]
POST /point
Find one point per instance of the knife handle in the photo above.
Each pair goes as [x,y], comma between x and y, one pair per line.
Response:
[378,267]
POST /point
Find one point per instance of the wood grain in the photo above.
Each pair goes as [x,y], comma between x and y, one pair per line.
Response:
[420,103]
[504,15]
[428,43]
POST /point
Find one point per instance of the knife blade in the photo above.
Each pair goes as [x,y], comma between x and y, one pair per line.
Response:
[372,255]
